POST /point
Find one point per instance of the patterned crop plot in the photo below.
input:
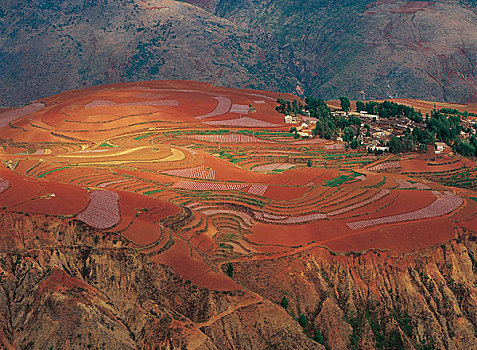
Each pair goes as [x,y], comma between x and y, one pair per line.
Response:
[247,219]
[258,189]
[207,186]
[376,197]
[102,211]
[151,96]
[199,172]
[445,204]
[228,138]
[240,109]
[335,147]
[273,166]
[243,122]
[385,166]
[9,116]
[109,183]
[403,184]
[4,185]
[161,103]
[223,106]
[280,219]
[100,103]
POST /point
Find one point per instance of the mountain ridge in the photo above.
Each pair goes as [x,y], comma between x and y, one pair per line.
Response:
[364,49]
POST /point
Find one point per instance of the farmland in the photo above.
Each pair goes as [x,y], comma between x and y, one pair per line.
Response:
[168,151]
[164,169]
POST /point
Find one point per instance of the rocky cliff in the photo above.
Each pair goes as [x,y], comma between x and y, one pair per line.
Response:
[65,286]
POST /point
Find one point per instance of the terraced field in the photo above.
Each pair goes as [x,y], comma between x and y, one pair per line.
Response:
[194,176]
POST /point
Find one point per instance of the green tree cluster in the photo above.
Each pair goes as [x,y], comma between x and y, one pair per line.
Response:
[345,104]
[388,109]
[289,107]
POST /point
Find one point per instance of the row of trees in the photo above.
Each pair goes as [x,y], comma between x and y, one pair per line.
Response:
[289,107]
[388,109]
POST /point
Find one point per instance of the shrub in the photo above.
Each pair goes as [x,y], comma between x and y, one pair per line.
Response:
[230,270]
[284,302]
[318,337]
[302,320]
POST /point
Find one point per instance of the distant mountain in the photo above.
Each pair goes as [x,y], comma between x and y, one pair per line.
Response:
[357,48]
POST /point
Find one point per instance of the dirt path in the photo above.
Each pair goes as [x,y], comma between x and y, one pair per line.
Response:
[231,309]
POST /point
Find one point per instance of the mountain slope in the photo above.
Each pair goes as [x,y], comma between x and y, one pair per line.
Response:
[384,49]
[62,45]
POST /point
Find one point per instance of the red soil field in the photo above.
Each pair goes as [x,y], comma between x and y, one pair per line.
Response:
[143,230]
[419,165]
[56,201]
[285,192]
[377,205]
[177,153]
[466,212]
[406,201]
[295,235]
[20,190]
[187,263]
[398,239]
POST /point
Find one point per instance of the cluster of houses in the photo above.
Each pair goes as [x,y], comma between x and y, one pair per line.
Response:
[380,129]
[304,124]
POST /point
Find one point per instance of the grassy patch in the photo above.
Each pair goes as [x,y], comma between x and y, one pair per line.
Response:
[52,171]
[140,137]
[338,181]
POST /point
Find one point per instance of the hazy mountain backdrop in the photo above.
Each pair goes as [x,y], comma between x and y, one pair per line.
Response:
[357,48]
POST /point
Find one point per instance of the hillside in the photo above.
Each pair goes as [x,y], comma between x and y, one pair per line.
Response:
[181,215]
[385,49]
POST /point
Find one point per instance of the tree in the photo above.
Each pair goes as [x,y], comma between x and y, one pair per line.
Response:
[284,302]
[348,134]
[318,337]
[354,144]
[309,163]
[342,122]
[360,106]
[230,270]
[302,320]
[395,145]
[354,120]
[345,104]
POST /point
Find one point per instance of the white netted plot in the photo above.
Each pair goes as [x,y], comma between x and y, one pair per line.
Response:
[441,206]
[258,189]
[4,185]
[9,116]
[244,121]
[376,197]
[102,211]
[228,138]
[223,106]
[198,172]
[240,109]
[280,219]
[160,103]
[207,186]
[385,166]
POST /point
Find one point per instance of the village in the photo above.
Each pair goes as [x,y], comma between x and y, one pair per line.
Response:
[374,133]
